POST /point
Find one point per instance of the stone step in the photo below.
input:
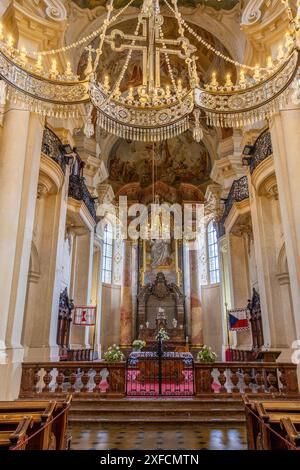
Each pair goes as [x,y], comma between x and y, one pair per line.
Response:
[147,410]
[171,419]
[154,411]
[157,403]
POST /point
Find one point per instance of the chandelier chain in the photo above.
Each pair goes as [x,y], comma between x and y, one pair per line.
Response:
[209,46]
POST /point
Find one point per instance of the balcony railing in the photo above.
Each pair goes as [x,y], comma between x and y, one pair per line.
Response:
[239,192]
[79,191]
[52,147]
[263,149]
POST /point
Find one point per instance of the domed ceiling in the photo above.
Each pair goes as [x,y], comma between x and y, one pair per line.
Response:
[207,62]
[217,4]
[175,161]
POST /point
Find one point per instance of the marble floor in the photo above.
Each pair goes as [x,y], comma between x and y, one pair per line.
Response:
[158,437]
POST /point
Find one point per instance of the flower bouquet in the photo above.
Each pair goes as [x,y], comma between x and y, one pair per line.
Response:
[206,355]
[138,344]
[114,354]
[163,335]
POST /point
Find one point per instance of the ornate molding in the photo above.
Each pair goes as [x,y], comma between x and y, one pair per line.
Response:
[56,10]
[239,108]
[252,12]
[51,177]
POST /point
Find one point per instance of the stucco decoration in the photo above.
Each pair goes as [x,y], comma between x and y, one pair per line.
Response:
[217,4]
[56,10]
[252,12]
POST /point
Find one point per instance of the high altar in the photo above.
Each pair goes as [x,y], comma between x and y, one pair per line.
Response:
[161,304]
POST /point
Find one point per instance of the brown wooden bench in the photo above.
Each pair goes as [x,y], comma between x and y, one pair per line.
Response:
[51,417]
[268,423]
[60,416]
[9,439]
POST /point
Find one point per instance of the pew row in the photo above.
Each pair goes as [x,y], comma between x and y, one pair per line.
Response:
[46,430]
[273,424]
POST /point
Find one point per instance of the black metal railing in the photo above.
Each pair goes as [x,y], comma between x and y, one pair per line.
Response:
[53,148]
[239,192]
[263,149]
[79,191]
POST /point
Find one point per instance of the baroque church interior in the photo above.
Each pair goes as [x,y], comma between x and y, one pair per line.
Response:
[108,109]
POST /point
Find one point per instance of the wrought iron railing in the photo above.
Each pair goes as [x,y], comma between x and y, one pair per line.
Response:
[79,191]
[239,192]
[263,149]
[53,148]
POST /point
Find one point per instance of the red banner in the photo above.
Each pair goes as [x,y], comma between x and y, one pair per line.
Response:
[85,316]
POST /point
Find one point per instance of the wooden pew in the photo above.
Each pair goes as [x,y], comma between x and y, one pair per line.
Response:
[9,439]
[51,415]
[41,421]
[266,423]
[60,416]
[292,435]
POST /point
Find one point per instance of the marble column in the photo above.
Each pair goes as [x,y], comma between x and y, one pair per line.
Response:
[196,313]
[82,289]
[19,169]
[285,134]
[95,332]
[240,286]
[126,296]
[40,331]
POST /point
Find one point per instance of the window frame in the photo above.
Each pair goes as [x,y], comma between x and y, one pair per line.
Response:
[213,257]
[107,256]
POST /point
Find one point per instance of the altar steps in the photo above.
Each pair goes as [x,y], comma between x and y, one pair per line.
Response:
[143,410]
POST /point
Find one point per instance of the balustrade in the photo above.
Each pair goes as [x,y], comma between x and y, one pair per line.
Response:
[59,378]
[239,191]
[79,191]
[230,378]
[53,148]
[262,150]
[108,379]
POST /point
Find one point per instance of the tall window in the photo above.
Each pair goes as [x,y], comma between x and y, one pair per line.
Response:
[107,254]
[213,255]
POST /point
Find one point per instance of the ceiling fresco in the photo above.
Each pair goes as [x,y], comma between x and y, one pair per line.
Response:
[176,161]
[111,62]
[217,4]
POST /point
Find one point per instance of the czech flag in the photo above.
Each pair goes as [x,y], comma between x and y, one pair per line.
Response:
[238,319]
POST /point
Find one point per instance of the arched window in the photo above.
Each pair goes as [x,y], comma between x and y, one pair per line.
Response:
[213,254]
[107,254]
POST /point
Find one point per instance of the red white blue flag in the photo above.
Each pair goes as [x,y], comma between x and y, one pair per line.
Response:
[238,319]
[85,316]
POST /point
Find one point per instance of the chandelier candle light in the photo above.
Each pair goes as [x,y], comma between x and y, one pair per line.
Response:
[152,111]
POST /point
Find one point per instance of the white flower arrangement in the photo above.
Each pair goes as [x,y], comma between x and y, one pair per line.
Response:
[138,344]
[114,354]
[206,354]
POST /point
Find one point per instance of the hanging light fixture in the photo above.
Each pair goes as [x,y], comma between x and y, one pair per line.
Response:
[152,112]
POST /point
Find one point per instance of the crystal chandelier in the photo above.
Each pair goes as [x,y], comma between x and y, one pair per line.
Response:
[151,112]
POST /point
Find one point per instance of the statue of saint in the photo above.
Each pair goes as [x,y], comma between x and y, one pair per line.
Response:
[160,253]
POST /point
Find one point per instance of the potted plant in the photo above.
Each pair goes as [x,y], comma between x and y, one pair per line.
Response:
[114,354]
[206,355]
[163,335]
[138,344]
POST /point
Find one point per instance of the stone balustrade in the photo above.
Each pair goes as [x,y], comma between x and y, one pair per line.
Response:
[246,377]
[81,378]
[100,379]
